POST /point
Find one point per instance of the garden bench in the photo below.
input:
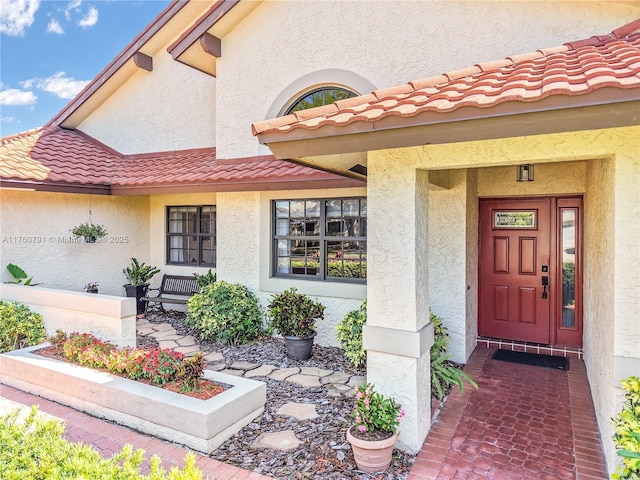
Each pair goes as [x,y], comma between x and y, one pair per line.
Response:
[176,289]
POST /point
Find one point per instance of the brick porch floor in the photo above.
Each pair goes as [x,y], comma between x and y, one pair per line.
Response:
[522,423]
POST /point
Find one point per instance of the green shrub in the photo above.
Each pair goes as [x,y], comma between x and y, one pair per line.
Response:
[19,327]
[206,279]
[225,312]
[627,436]
[443,373]
[294,314]
[35,449]
[349,334]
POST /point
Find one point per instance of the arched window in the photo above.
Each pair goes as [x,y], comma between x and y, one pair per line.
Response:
[319,97]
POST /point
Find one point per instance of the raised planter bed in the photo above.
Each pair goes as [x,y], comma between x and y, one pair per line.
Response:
[201,425]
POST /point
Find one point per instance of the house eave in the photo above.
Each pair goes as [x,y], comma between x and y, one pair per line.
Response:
[248,186]
[193,47]
[603,108]
[57,187]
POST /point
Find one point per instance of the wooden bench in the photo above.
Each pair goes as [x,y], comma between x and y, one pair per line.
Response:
[179,288]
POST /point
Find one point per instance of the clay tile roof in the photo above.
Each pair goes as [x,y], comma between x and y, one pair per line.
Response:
[57,155]
[54,155]
[575,68]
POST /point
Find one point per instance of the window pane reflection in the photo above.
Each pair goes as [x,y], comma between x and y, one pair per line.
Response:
[568,267]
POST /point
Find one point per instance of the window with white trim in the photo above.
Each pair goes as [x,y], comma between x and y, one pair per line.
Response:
[191,235]
[322,239]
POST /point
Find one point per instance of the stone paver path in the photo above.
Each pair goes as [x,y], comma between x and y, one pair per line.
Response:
[337,383]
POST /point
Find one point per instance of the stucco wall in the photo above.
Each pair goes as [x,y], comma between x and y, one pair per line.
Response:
[599,292]
[472,261]
[35,236]
[549,179]
[447,269]
[171,108]
[436,37]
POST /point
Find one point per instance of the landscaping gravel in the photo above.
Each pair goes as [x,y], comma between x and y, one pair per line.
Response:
[324,452]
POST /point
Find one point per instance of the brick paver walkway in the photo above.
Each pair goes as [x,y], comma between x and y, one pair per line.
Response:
[524,423]
[108,439]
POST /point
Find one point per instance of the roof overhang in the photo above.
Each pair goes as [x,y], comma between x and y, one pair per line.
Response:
[201,45]
[58,187]
[247,186]
[339,148]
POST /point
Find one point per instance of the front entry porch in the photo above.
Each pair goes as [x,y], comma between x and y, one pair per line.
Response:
[523,422]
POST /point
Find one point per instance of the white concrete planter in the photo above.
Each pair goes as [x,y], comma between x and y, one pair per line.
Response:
[201,425]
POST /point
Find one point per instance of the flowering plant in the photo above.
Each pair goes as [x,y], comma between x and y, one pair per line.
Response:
[91,285]
[374,412]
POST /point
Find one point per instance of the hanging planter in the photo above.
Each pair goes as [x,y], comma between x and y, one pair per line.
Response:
[89,231]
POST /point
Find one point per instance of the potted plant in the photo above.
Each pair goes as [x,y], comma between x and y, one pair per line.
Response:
[89,231]
[294,316]
[375,431]
[138,275]
[91,287]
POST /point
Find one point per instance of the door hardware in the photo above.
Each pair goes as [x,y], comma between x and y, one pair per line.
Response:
[545,284]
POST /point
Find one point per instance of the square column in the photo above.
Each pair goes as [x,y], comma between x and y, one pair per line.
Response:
[398,335]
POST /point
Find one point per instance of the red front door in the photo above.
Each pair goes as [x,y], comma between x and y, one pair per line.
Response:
[515,263]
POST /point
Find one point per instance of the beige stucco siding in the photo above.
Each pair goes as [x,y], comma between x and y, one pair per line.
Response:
[35,235]
[171,108]
[436,37]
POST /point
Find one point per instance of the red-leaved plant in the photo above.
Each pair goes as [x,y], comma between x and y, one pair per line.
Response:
[158,365]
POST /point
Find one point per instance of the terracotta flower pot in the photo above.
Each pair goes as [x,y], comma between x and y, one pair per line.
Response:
[372,455]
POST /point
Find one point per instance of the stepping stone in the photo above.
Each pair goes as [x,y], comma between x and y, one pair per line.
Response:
[168,344]
[232,371]
[262,371]
[356,381]
[318,372]
[285,440]
[161,327]
[141,321]
[214,357]
[187,341]
[162,338]
[244,365]
[144,330]
[216,367]
[300,411]
[284,373]
[341,387]
[305,380]
[188,350]
[163,333]
[336,377]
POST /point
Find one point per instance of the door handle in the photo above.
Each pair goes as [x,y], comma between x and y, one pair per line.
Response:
[545,284]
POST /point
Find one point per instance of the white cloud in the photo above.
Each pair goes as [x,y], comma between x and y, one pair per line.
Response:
[7,119]
[61,86]
[74,5]
[17,15]
[13,96]
[90,19]
[55,27]
[27,84]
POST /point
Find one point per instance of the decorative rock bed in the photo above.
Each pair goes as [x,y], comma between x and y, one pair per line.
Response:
[201,425]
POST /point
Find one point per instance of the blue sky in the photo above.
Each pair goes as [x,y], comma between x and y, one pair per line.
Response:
[49,50]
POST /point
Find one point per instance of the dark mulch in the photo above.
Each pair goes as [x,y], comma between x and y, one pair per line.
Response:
[324,453]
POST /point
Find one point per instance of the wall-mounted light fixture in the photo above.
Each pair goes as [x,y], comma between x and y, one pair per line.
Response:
[525,173]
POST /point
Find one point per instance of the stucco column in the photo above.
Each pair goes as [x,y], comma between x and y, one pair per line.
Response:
[398,334]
